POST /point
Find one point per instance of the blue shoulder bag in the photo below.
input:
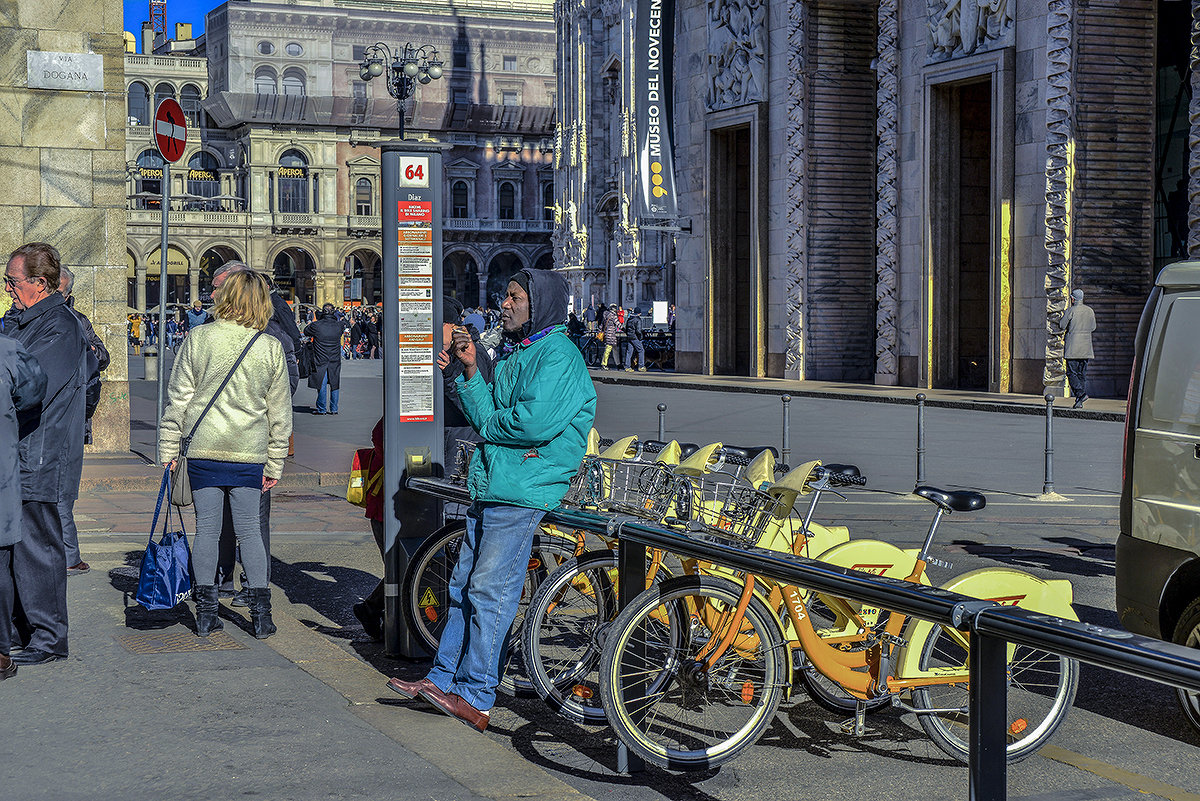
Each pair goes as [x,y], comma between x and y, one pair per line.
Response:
[166,577]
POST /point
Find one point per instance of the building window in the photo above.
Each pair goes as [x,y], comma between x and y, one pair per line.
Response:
[458,200]
[189,99]
[459,60]
[509,64]
[293,82]
[360,90]
[293,49]
[139,104]
[150,172]
[362,197]
[293,183]
[509,97]
[266,48]
[204,179]
[508,201]
[358,52]
[460,95]
[264,81]
[548,200]
[162,92]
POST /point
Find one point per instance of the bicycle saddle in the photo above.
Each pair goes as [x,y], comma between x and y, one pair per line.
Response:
[959,501]
[686,449]
[842,469]
[743,456]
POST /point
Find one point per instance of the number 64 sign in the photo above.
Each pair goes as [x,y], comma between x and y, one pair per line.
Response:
[414,171]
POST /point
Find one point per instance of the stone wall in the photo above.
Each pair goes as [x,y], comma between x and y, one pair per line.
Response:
[62,166]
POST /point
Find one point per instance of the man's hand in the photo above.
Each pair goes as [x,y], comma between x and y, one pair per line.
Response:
[443,359]
[463,348]
[268,483]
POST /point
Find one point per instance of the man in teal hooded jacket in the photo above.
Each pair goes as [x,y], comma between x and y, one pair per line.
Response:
[534,418]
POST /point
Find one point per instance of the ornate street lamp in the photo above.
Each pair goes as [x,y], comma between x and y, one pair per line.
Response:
[408,67]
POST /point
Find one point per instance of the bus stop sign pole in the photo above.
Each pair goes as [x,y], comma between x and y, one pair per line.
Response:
[412,383]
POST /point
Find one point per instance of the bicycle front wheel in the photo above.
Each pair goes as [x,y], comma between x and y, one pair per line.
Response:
[1041,690]
[425,595]
[664,700]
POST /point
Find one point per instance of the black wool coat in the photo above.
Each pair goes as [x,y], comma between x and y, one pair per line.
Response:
[326,333]
[22,387]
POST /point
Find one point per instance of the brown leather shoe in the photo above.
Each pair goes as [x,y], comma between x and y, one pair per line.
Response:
[8,668]
[409,689]
[454,706]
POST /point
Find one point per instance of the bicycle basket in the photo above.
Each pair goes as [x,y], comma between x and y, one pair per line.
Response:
[462,461]
[731,509]
[637,488]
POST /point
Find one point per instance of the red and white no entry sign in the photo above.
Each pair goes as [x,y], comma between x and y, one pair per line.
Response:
[170,129]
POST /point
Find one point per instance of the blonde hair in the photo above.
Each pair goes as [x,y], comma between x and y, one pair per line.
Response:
[245,298]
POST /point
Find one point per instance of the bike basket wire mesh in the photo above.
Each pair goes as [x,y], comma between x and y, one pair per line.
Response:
[462,461]
[642,489]
[721,505]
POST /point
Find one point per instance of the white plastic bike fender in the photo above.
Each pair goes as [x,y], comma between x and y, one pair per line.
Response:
[1004,585]
[623,448]
[820,538]
[873,556]
[669,455]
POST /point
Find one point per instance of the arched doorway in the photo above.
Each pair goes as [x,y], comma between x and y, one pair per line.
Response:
[460,278]
[544,262]
[213,258]
[295,273]
[363,270]
[501,268]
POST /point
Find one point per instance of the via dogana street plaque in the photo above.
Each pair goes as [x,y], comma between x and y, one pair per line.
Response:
[77,72]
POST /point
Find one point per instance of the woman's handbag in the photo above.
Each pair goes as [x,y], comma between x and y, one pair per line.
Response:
[365,477]
[305,360]
[181,484]
[165,580]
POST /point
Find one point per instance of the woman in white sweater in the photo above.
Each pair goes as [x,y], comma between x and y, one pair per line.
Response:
[239,447]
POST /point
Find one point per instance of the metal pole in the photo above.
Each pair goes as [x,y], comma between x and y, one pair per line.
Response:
[988,722]
[920,438]
[662,422]
[785,452]
[1048,484]
[162,288]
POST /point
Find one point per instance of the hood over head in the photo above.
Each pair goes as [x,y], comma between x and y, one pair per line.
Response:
[548,296]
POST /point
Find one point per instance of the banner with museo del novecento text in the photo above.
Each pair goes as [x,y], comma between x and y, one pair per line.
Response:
[653,53]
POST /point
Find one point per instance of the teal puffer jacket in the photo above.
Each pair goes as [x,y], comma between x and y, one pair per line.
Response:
[534,419]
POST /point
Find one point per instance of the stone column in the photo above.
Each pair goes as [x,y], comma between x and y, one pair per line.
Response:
[797,187]
[1060,179]
[887,267]
[483,277]
[140,272]
[193,283]
[62,164]
[1193,243]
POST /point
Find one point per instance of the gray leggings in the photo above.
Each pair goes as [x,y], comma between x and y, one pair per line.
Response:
[243,505]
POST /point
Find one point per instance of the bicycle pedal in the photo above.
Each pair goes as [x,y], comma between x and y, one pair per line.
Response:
[851,728]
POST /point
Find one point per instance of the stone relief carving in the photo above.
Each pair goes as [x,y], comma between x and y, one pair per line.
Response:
[1193,190]
[1060,179]
[961,27]
[887,311]
[737,52]
[797,188]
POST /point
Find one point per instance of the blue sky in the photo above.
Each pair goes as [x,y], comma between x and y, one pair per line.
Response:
[193,11]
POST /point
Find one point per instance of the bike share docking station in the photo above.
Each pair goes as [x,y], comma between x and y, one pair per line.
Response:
[412,383]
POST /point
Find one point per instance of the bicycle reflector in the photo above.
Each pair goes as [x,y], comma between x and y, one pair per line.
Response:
[581,691]
[747,692]
[1019,725]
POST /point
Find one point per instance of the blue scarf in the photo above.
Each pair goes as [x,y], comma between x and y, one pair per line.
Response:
[510,346]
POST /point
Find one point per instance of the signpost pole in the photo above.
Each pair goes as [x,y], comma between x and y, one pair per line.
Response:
[162,289]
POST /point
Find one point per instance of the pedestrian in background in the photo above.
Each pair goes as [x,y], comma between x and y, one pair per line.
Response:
[633,332]
[197,316]
[1077,322]
[51,449]
[326,333]
[612,330]
[22,387]
[238,448]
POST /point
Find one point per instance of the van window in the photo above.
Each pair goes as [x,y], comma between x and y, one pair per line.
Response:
[1171,390]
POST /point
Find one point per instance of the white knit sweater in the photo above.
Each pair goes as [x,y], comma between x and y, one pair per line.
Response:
[252,418]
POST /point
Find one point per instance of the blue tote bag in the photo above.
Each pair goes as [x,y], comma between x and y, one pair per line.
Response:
[166,577]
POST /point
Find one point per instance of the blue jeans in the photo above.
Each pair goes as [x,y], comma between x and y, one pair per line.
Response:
[333,396]
[485,590]
[635,344]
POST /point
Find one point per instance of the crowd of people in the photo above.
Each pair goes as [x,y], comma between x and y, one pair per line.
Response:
[619,330]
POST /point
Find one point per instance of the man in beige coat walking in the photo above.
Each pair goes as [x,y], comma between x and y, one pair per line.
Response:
[1078,322]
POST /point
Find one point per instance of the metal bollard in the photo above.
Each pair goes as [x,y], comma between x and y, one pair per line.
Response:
[920,438]
[786,451]
[662,422]
[1048,483]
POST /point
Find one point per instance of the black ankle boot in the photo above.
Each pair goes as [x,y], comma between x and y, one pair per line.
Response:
[260,612]
[207,606]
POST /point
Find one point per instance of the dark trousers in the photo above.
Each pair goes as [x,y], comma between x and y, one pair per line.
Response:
[66,516]
[227,553]
[1077,376]
[374,601]
[6,599]
[39,571]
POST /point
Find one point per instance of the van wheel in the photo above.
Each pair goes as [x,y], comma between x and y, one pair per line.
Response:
[1188,633]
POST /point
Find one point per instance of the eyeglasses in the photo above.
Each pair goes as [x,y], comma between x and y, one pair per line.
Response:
[9,281]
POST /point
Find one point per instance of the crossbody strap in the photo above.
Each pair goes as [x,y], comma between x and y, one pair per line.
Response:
[188,439]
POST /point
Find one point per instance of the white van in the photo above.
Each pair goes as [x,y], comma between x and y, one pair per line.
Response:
[1158,549]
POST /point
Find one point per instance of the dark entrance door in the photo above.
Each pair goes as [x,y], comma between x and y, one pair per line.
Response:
[732,243]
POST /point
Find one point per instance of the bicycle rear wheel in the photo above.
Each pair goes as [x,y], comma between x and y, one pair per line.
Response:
[1041,690]
[828,693]
[663,700]
[425,593]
